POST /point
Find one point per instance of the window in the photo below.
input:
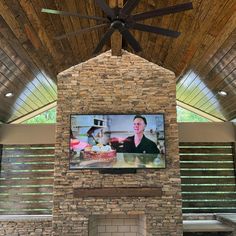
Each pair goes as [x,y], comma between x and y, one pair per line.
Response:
[47,117]
[184,115]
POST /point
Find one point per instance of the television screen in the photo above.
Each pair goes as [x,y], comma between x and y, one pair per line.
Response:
[117,141]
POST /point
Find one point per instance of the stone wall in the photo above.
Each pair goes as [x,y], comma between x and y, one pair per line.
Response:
[108,84]
[25,225]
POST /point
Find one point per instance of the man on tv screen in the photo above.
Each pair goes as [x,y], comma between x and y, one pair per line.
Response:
[139,143]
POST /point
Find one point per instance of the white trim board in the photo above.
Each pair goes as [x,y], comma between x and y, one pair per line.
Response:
[198,112]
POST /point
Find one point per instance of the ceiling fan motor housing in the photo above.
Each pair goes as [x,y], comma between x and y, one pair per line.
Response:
[117,24]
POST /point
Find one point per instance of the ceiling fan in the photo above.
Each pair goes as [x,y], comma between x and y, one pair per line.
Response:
[121,19]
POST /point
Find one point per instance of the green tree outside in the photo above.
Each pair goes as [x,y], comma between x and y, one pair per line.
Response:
[184,115]
[47,117]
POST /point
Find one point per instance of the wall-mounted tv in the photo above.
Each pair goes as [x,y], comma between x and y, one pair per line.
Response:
[117,141]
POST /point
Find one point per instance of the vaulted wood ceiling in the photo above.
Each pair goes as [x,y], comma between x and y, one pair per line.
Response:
[203,56]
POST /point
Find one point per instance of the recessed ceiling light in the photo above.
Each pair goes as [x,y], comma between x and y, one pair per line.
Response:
[222,93]
[9,95]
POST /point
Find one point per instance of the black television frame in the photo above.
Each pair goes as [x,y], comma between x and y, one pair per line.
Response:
[119,170]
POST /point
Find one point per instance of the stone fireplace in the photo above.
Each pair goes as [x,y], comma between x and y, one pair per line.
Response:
[119,85]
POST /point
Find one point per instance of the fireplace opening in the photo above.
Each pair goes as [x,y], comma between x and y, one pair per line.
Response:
[118,225]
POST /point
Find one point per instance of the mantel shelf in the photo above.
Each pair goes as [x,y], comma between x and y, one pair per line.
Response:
[119,192]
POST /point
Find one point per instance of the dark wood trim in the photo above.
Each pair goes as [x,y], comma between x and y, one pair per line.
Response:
[119,192]
[116,38]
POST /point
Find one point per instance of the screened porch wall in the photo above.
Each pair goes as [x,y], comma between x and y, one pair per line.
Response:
[207,171]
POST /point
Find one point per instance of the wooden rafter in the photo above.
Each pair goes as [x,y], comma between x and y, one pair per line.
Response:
[116,38]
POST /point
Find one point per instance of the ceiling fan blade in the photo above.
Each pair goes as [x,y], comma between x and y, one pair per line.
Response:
[163,11]
[156,30]
[130,39]
[81,31]
[65,13]
[103,41]
[109,11]
[129,7]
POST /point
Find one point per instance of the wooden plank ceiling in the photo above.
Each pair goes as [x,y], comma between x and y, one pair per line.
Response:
[203,56]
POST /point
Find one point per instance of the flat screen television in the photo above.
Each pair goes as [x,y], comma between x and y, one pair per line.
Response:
[112,141]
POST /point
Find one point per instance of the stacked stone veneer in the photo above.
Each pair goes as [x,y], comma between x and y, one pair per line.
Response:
[108,84]
[25,225]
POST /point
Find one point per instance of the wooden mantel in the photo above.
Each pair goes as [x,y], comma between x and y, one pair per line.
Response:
[119,192]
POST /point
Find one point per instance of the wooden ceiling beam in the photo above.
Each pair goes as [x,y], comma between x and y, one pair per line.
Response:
[116,38]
